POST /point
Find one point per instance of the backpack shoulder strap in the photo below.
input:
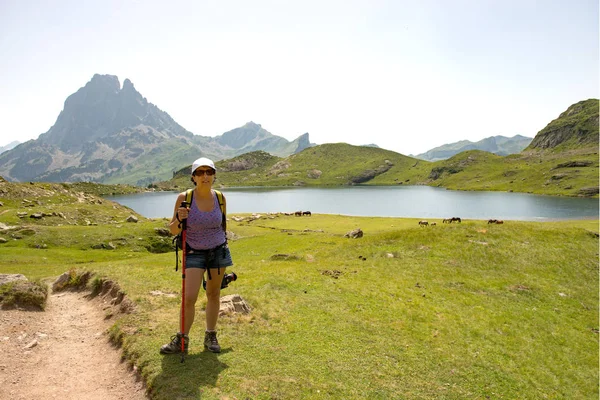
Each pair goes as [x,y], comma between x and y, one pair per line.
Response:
[221,199]
[189,194]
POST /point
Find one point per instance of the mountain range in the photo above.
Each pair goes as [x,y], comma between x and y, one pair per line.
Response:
[500,145]
[562,160]
[112,134]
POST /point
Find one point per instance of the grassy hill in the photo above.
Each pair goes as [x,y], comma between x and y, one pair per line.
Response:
[562,160]
[567,173]
[331,164]
[571,172]
[451,311]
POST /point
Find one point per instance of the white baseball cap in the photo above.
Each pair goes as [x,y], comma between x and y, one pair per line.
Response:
[202,162]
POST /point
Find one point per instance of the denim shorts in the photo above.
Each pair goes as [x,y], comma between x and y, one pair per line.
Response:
[220,258]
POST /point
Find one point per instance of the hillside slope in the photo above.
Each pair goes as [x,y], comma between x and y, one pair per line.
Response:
[331,164]
[575,128]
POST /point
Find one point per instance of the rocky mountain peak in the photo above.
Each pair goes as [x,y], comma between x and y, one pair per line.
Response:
[105,81]
[576,126]
[303,142]
[106,132]
[102,109]
[240,137]
[128,85]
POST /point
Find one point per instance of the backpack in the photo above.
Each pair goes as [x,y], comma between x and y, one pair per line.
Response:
[178,240]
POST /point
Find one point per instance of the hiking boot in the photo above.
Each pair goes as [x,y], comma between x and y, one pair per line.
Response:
[211,343]
[175,346]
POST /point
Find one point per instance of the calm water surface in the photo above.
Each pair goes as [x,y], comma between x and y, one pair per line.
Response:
[382,201]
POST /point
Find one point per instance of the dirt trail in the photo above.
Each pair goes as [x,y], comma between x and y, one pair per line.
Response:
[62,353]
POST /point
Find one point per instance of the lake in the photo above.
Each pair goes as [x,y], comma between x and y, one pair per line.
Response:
[381,201]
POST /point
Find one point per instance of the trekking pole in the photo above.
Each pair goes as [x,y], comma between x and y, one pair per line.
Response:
[183,246]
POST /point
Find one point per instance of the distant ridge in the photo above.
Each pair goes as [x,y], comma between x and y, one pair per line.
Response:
[9,146]
[252,137]
[500,145]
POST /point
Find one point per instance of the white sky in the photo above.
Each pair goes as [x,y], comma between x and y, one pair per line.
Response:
[407,75]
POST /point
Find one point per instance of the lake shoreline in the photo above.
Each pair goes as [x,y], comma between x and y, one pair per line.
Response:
[225,188]
[419,202]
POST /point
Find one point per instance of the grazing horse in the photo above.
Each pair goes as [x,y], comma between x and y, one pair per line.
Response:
[451,220]
[433,224]
[298,213]
[492,221]
[306,213]
[423,223]
[499,222]
[446,221]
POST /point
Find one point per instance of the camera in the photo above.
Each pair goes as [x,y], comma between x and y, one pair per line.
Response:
[227,279]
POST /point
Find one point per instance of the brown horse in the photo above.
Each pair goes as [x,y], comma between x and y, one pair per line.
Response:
[451,220]
[423,223]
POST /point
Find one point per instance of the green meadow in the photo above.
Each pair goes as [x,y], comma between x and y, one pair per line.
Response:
[452,311]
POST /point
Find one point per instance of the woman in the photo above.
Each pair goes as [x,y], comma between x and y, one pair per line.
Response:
[206,251]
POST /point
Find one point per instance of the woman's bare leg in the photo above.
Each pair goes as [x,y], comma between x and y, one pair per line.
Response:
[213,296]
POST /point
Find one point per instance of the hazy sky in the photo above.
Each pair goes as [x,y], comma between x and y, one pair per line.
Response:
[407,75]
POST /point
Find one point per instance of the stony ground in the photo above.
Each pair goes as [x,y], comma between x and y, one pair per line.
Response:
[63,353]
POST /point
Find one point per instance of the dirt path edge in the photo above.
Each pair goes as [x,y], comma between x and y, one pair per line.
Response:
[66,351]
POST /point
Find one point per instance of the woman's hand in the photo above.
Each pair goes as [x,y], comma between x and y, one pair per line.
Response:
[182,213]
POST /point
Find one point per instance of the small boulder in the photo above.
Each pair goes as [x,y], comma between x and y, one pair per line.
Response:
[60,282]
[233,303]
[162,232]
[132,218]
[6,278]
[355,234]
[231,236]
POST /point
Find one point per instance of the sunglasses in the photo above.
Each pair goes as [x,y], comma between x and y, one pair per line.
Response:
[200,172]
